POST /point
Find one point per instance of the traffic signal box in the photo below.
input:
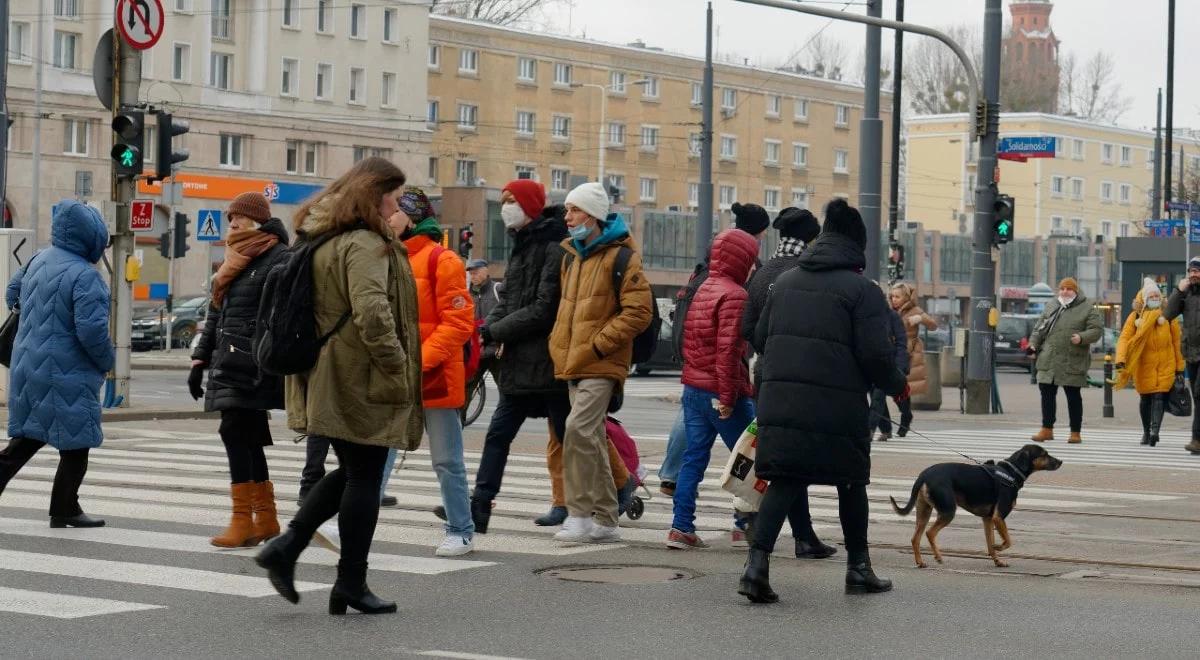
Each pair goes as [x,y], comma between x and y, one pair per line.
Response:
[128,143]
[166,153]
[1003,212]
[464,241]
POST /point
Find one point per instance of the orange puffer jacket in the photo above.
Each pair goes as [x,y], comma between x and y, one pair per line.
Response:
[447,318]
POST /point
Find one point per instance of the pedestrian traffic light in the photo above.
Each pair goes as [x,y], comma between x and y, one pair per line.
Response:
[1002,220]
[896,262]
[181,234]
[166,155]
[128,143]
[464,241]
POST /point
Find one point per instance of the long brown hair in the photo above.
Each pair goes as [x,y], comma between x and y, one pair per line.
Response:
[356,196]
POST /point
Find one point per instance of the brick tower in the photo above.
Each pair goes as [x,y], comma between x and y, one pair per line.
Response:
[1029,68]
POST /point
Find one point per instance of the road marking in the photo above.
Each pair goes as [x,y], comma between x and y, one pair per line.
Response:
[465,656]
[63,606]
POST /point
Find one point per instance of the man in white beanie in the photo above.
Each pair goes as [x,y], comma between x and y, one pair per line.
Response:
[591,345]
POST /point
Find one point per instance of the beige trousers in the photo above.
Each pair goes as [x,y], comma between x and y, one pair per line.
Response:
[554,463]
[587,470]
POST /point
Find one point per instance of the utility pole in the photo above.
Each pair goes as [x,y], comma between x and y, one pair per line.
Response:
[870,146]
[704,218]
[4,107]
[1167,192]
[127,78]
[983,268]
[894,188]
[1156,201]
[35,213]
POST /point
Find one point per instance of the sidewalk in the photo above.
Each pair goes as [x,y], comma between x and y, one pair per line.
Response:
[141,413]
[179,359]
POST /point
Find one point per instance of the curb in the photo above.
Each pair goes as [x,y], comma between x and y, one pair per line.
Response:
[160,367]
[117,415]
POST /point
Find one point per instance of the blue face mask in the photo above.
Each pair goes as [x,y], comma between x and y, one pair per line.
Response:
[579,232]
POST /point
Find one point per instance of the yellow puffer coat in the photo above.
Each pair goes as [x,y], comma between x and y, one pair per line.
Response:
[1149,349]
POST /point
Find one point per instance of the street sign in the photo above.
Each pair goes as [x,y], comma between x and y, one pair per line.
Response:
[1183,206]
[172,193]
[1167,223]
[141,214]
[208,225]
[1020,148]
[102,69]
[83,184]
[140,22]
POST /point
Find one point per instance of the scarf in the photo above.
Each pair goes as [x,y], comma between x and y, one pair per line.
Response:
[427,227]
[1147,321]
[241,247]
[789,247]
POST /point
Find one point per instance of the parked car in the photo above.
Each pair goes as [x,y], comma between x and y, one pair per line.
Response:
[1012,338]
[664,354]
[149,328]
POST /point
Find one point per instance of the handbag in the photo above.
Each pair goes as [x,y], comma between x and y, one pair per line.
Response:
[1179,400]
[8,335]
[739,477]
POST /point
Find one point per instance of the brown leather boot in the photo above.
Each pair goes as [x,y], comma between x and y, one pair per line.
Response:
[266,522]
[1074,439]
[1193,446]
[1043,435]
[240,533]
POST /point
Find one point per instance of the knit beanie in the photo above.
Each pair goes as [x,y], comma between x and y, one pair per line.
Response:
[589,198]
[1193,263]
[251,205]
[750,218]
[841,218]
[530,196]
[416,205]
[797,223]
[1069,283]
[1149,287]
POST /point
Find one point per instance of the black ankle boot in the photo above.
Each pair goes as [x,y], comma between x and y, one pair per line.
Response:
[351,590]
[813,549]
[756,581]
[861,579]
[1145,437]
[279,558]
[481,513]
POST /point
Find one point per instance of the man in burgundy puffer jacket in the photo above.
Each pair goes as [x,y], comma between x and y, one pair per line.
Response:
[717,394]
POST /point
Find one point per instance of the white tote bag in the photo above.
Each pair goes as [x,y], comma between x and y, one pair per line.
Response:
[738,477]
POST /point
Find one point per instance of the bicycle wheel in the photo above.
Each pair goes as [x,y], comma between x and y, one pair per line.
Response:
[475,403]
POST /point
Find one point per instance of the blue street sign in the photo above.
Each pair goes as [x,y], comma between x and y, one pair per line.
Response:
[1183,206]
[1029,146]
[1168,223]
[208,225]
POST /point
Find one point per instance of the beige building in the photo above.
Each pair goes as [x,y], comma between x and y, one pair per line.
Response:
[282,96]
[1097,184]
[507,103]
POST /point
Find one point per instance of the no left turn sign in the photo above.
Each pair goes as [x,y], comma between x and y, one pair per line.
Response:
[140,22]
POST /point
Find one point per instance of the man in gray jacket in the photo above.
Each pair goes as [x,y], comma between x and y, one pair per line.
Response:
[1185,301]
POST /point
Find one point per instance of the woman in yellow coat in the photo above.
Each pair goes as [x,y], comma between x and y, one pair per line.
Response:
[1148,352]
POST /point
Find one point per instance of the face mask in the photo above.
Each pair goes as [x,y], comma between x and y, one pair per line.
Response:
[579,232]
[1065,300]
[1153,304]
[512,215]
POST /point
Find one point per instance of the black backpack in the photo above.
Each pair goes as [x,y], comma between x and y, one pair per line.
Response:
[646,341]
[683,301]
[285,331]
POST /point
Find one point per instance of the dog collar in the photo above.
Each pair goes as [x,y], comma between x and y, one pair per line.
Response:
[1020,475]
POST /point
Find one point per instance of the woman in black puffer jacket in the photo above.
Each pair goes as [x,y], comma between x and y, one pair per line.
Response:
[236,387]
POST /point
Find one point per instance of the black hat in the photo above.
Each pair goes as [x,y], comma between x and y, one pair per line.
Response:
[797,223]
[750,218]
[841,218]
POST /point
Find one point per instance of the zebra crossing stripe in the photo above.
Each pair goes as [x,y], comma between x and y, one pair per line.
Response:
[63,606]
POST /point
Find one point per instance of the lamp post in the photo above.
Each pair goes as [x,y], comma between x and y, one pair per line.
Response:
[604,89]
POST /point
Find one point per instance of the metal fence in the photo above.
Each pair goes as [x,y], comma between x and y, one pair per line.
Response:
[1066,259]
[1016,263]
[668,240]
[956,258]
[499,243]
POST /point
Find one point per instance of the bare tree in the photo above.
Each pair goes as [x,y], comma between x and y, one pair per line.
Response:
[1090,90]
[500,12]
[826,57]
[934,80]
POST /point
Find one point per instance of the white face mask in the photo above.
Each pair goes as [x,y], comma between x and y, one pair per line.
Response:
[1153,304]
[512,215]
[1066,300]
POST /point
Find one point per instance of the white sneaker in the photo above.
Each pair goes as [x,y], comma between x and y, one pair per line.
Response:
[455,545]
[575,530]
[602,534]
[327,536]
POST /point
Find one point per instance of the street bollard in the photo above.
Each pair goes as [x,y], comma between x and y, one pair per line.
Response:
[1108,374]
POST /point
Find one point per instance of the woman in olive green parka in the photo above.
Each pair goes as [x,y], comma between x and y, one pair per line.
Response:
[1062,341]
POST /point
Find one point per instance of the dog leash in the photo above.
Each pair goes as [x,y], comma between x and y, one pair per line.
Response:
[976,461]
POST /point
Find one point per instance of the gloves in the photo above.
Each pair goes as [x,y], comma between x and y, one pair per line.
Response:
[194,381]
[1119,366]
[903,396]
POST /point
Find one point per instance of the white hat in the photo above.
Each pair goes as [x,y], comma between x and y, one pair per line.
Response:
[591,199]
[1149,286]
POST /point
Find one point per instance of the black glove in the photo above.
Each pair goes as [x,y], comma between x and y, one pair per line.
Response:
[485,333]
[195,381]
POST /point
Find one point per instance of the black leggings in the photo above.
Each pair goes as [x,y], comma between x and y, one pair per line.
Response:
[780,500]
[1050,406]
[72,465]
[881,418]
[1151,407]
[351,493]
[245,433]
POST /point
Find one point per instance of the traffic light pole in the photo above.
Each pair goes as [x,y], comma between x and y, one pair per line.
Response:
[171,229]
[127,78]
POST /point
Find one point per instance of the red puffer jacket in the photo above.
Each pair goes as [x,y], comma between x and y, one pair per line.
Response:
[714,353]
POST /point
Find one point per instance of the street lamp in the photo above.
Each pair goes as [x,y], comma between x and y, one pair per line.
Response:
[603,119]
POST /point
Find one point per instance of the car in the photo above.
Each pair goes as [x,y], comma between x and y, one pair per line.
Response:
[149,328]
[1012,338]
[663,358]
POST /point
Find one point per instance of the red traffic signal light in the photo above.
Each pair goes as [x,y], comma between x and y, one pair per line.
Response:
[464,241]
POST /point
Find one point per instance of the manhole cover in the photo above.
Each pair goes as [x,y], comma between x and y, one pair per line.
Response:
[618,574]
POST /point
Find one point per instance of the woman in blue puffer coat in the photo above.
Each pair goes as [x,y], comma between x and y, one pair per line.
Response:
[60,356]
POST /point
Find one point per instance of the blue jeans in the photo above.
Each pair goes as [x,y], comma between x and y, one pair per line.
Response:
[676,443]
[703,427]
[444,429]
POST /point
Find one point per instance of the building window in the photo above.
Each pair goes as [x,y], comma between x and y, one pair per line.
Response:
[324,81]
[650,87]
[1106,229]
[771,199]
[1106,153]
[560,128]
[697,94]
[800,112]
[693,144]
[727,196]
[358,92]
[1077,188]
[728,147]
[64,49]
[1125,193]
[464,172]
[219,68]
[616,82]
[435,56]
[1106,191]
[362,152]
[617,181]
[1124,230]
[841,161]
[468,61]
[525,123]
[1056,223]
[290,17]
[559,178]
[1057,184]
[221,19]
[693,194]
[1077,149]
[75,137]
[289,77]
[800,198]
[433,170]
[149,134]
[1076,226]
[389,26]
[616,134]
[799,154]
[774,105]
[649,138]
[358,14]
[387,92]
[468,117]
[431,114]
[292,160]
[526,69]
[181,63]
[771,151]
[728,99]
[1126,156]
[231,151]
[526,172]
[648,189]
[843,116]
[19,42]
[183,6]
[562,73]
[66,8]
[325,16]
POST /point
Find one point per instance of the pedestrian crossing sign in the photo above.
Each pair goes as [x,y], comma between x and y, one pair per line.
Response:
[208,225]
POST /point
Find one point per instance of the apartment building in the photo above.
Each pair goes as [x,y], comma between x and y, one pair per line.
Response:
[1096,187]
[282,96]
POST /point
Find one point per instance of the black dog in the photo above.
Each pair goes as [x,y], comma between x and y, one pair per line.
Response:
[988,491]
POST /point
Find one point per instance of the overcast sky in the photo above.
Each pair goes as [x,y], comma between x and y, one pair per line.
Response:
[1134,33]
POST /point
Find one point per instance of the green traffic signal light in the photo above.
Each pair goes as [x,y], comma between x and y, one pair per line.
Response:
[1004,228]
[127,157]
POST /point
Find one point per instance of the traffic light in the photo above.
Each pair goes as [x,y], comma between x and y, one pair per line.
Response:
[165,153]
[164,244]
[464,241]
[181,234]
[128,143]
[896,262]
[1002,221]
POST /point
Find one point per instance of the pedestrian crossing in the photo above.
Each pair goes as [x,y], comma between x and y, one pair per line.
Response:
[167,492]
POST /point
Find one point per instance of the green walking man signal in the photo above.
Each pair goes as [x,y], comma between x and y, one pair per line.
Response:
[1003,212]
